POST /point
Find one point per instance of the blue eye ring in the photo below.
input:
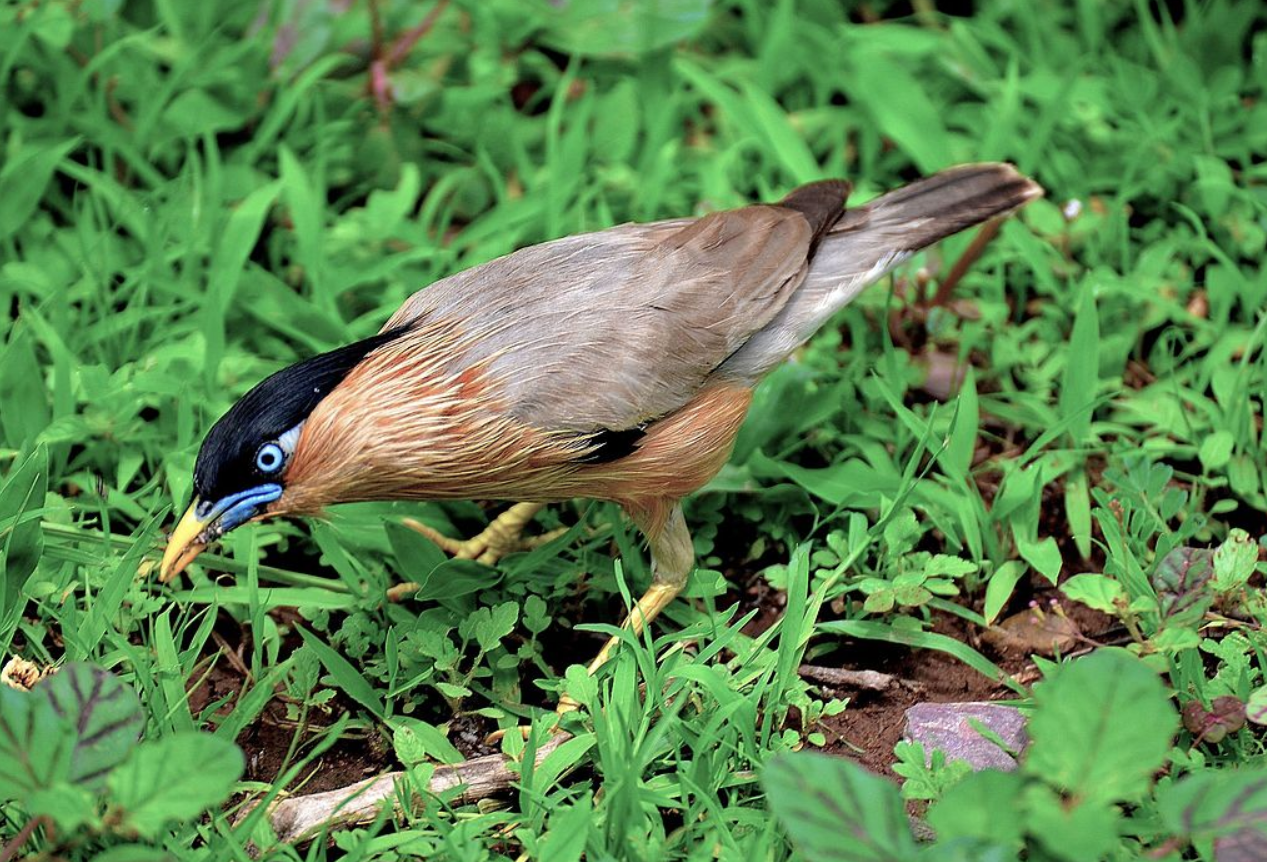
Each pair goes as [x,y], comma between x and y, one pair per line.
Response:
[269,459]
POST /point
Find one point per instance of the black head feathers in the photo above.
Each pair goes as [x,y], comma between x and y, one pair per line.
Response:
[226,462]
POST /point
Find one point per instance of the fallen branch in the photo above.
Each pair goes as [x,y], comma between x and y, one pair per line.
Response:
[870,680]
[299,819]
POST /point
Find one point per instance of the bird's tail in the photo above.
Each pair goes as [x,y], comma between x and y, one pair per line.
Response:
[871,239]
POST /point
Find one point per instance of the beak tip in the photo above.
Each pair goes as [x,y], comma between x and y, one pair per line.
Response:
[183,546]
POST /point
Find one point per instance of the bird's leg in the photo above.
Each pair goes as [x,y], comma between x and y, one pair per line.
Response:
[672,559]
[501,537]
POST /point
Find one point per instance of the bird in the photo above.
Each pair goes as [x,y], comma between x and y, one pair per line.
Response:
[615,365]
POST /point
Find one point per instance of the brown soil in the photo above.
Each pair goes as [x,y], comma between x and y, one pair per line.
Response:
[267,741]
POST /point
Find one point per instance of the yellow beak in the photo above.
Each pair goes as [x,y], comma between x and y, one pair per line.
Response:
[183,546]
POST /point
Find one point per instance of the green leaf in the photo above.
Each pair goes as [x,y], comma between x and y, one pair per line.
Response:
[1256,706]
[69,806]
[1226,805]
[1234,561]
[1043,554]
[1078,510]
[454,578]
[35,744]
[1101,726]
[416,741]
[836,811]
[899,107]
[21,538]
[177,777]
[999,589]
[1180,580]
[1074,831]
[962,445]
[1216,449]
[871,630]
[106,715]
[984,805]
[621,28]
[1097,592]
[25,176]
[345,675]
[568,831]
[1082,368]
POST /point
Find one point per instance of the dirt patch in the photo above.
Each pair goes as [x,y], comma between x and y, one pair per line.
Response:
[874,720]
[274,741]
[872,724]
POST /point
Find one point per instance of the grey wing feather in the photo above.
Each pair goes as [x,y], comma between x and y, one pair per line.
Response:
[619,327]
[870,240]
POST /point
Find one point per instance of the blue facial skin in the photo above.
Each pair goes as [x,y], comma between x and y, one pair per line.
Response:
[235,509]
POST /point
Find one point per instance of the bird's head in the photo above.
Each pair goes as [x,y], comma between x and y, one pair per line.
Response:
[244,468]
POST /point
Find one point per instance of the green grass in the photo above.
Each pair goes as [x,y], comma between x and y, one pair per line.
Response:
[193,195]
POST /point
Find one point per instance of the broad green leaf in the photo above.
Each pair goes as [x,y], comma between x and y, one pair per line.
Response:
[1216,449]
[69,806]
[850,483]
[836,811]
[23,391]
[985,806]
[999,589]
[1078,510]
[416,555]
[1226,805]
[1043,554]
[1180,580]
[1098,592]
[1256,706]
[177,777]
[1071,830]
[106,715]
[36,744]
[1101,727]
[1234,561]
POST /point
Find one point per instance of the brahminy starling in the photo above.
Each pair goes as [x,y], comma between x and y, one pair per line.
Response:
[616,365]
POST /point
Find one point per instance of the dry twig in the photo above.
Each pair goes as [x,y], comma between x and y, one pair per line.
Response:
[299,819]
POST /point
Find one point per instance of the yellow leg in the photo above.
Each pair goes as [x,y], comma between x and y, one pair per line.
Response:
[672,559]
[501,537]
[498,539]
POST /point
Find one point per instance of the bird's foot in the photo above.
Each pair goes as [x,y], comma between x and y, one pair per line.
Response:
[503,536]
[566,705]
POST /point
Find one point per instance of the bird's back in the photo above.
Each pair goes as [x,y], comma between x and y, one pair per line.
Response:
[615,329]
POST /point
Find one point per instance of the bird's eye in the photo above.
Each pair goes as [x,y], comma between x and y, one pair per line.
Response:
[269,458]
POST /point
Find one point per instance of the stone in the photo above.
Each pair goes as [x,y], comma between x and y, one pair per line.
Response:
[948,727]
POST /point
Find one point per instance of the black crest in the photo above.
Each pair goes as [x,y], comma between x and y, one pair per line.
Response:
[226,462]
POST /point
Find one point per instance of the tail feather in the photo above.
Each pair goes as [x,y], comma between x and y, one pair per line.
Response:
[868,241]
[927,210]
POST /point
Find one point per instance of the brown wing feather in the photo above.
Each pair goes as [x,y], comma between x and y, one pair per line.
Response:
[615,328]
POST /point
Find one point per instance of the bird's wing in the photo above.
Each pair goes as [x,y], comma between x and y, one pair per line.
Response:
[613,329]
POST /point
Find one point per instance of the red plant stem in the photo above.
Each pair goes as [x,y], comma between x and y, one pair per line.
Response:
[402,46]
[966,260]
[11,849]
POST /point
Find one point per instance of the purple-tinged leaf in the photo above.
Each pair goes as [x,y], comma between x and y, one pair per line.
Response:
[1181,580]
